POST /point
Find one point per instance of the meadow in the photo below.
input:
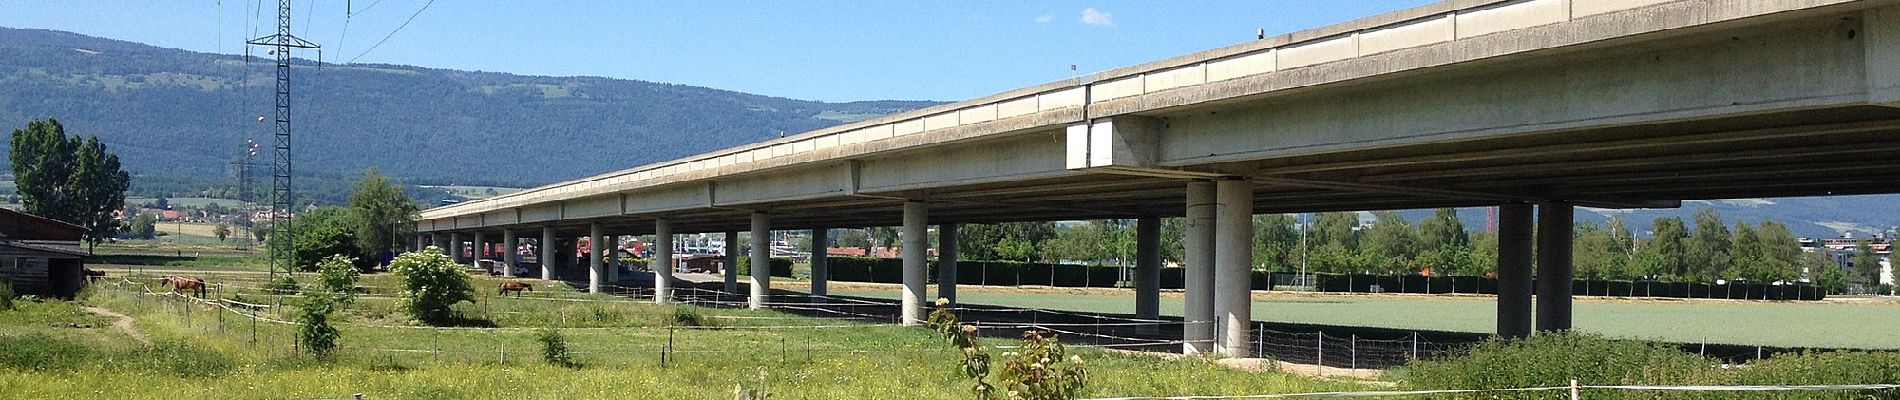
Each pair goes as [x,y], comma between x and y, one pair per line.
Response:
[54,351]
[1863,324]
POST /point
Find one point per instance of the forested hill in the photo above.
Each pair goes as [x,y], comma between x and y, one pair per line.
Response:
[170,112]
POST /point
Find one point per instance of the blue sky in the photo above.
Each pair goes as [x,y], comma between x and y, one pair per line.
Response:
[832,51]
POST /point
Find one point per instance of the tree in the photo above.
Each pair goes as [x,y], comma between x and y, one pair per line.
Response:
[1443,229]
[1005,241]
[1865,264]
[324,232]
[68,178]
[144,226]
[383,216]
[1339,228]
[1275,239]
[1746,259]
[1782,250]
[1662,255]
[1707,253]
[1597,253]
[223,231]
[1392,241]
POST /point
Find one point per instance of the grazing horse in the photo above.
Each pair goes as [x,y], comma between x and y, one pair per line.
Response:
[516,287]
[182,283]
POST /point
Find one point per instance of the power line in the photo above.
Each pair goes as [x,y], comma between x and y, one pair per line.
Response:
[405,23]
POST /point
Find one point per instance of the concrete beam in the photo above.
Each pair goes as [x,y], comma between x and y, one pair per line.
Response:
[947,261]
[761,260]
[1197,331]
[1233,268]
[820,261]
[1515,256]
[1555,233]
[662,260]
[1881,29]
[916,233]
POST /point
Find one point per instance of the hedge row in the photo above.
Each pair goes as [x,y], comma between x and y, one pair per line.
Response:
[1361,283]
[781,267]
[1003,273]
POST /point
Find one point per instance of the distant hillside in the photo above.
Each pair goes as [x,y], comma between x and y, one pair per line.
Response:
[172,112]
[1825,217]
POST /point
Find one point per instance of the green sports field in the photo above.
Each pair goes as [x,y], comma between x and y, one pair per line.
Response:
[1871,324]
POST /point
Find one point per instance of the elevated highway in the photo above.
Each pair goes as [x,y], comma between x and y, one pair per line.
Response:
[1536,106]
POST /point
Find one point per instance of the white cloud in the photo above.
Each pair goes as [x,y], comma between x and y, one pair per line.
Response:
[1096,17]
[1045,18]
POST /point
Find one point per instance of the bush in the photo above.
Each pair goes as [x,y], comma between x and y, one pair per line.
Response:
[685,317]
[1553,359]
[554,349]
[781,267]
[431,285]
[337,275]
[313,323]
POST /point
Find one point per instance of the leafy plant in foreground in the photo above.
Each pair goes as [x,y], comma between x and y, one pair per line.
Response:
[554,349]
[337,275]
[1038,372]
[431,285]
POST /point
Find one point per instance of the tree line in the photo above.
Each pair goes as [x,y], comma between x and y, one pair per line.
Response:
[1440,244]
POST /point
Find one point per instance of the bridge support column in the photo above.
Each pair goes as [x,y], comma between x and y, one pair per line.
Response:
[1197,330]
[509,258]
[1233,268]
[479,249]
[820,261]
[422,241]
[731,264]
[1515,257]
[612,243]
[1148,270]
[1554,235]
[595,251]
[916,240]
[547,253]
[947,261]
[761,260]
[454,249]
[662,260]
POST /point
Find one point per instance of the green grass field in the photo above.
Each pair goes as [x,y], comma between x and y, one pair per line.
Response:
[202,352]
[1792,324]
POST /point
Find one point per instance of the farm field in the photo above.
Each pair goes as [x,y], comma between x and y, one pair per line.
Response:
[188,201]
[55,351]
[1866,324]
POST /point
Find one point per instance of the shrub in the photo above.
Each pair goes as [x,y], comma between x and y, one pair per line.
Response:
[431,285]
[1552,359]
[313,323]
[554,349]
[685,317]
[781,267]
[1037,372]
[337,275]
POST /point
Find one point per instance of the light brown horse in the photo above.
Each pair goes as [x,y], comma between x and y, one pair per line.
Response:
[516,287]
[183,283]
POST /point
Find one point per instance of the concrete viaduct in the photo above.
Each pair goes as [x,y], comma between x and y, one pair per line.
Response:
[1535,106]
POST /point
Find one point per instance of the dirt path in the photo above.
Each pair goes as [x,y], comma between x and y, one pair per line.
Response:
[124,324]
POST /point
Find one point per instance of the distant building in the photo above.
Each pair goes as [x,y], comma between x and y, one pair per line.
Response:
[41,256]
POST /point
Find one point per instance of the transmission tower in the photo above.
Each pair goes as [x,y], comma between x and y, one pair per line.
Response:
[282,201]
[246,161]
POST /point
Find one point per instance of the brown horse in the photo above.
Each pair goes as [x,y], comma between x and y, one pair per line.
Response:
[182,283]
[516,287]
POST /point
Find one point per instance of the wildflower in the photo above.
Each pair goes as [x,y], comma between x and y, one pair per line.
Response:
[1076,359]
[942,302]
[969,329]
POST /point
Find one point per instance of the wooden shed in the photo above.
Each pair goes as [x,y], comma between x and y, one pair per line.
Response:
[41,256]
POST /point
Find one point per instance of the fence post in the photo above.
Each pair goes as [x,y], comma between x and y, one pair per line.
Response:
[1574,388]
[504,352]
[1758,352]
[1319,361]
[1704,350]
[1354,346]
[435,344]
[1415,345]
[1260,341]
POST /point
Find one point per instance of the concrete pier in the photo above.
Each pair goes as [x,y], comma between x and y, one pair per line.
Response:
[731,265]
[947,261]
[820,262]
[508,257]
[761,260]
[1555,226]
[547,253]
[916,248]
[1233,268]
[1148,269]
[1197,317]
[662,260]
[595,252]
[1515,257]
